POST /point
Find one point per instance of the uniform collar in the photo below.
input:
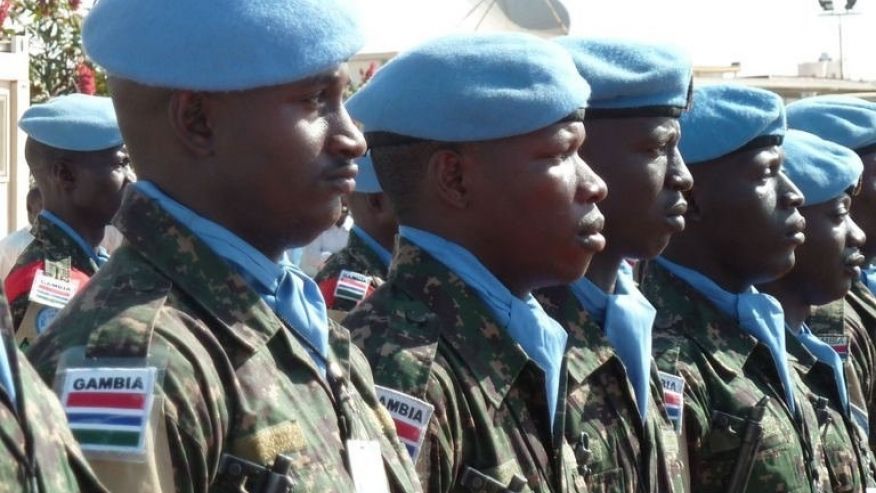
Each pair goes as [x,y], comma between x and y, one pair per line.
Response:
[50,228]
[375,251]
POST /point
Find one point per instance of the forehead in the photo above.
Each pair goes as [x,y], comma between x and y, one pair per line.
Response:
[632,127]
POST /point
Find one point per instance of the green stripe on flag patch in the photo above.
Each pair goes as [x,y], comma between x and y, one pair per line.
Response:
[107,437]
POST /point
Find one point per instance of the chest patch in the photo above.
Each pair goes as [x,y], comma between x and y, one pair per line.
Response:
[673,397]
[352,286]
[51,291]
[410,415]
[839,343]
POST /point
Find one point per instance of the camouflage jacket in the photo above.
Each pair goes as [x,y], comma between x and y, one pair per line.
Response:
[37,451]
[355,257]
[727,372]
[839,325]
[50,243]
[625,455]
[236,380]
[428,335]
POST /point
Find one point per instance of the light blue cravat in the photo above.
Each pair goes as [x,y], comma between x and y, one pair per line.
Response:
[542,338]
[627,318]
[292,295]
[827,355]
[6,371]
[759,314]
[868,277]
[99,255]
[383,254]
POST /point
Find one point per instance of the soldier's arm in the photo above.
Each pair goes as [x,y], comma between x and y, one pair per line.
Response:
[439,465]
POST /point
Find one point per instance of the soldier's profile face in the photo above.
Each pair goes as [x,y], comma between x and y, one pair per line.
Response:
[830,259]
[646,176]
[101,178]
[287,155]
[538,205]
[747,209]
[864,204]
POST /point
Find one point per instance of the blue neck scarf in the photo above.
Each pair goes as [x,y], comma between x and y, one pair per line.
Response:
[99,255]
[827,355]
[383,254]
[293,296]
[542,338]
[6,371]
[868,277]
[627,318]
[759,314]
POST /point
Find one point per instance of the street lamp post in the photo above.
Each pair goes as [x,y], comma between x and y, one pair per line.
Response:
[827,7]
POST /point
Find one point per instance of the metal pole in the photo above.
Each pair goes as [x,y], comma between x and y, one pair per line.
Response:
[840,29]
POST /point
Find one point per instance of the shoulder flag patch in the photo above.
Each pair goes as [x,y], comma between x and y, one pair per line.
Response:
[839,343]
[108,408]
[352,286]
[673,397]
[411,417]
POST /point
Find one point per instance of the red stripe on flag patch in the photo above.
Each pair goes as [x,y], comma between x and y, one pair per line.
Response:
[117,400]
[407,431]
[672,398]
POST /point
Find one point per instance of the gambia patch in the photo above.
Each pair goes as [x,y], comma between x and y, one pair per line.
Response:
[49,291]
[673,397]
[352,286]
[108,408]
[839,343]
[410,415]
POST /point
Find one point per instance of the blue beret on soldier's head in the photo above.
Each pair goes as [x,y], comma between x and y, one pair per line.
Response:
[470,87]
[75,122]
[821,169]
[220,45]
[630,78]
[725,118]
[366,179]
[848,121]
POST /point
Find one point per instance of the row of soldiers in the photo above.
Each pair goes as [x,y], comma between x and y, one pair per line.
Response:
[513,315]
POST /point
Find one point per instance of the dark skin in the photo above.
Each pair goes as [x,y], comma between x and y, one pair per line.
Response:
[639,160]
[84,189]
[742,223]
[373,213]
[864,205]
[827,262]
[525,206]
[269,164]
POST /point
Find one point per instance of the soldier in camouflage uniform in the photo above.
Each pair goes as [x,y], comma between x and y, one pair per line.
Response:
[747,422]
[253,388]
[493,201]
[632,128]
[826,264]
[850,122]
[74,151]
[38,453]
[353,273]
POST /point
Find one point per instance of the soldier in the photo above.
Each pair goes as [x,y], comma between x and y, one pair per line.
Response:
[850,324]
[493,201]
[618,427]
[745,419]
[355,272]
[212,361]
[74,151]
[828,175]
[38,454]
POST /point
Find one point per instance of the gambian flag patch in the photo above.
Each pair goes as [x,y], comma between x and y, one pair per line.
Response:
[410,415]
[839,343]
[673,397]
[108,408]
[352,286]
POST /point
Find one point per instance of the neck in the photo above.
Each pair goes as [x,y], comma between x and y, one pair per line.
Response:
[795,308]
[708,266]
[386,239]
[603,270]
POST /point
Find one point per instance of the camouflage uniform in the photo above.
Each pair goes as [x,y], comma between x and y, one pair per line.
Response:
[237,380]
[355,257]
[429,335]
[625,456]
[52,244]
[37,451]
[726,373]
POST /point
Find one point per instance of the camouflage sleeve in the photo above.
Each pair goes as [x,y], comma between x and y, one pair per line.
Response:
[440,461]
[862,355]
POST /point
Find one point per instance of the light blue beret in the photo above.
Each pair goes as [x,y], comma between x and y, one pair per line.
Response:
[220,45]
[469,87]
[724,118]
[630,78]
[75,122]
[845,120]
[821,169]
[366,180]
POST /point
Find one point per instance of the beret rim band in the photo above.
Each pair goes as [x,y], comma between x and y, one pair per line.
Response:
[639,112]
[756,143]
[867,149]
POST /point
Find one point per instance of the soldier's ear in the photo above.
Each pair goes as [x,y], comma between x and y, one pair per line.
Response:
[63,174]
[189,118]
[446,172]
